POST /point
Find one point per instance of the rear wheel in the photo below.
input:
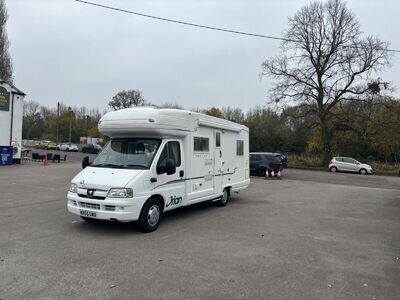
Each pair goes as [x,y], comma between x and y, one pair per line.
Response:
[333,169]
[363,172]
[224,199]
[150,216]
[261,172]
[83,150]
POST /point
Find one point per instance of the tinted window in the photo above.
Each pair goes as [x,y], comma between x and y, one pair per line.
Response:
[349,160]
[172,151]
[340,159]
[239,147]
[255,157]
[218,139]
[201,144]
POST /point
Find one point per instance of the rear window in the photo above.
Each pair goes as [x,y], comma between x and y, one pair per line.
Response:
[239,147]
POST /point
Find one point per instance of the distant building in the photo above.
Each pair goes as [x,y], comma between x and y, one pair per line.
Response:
[90,140]
[11,116]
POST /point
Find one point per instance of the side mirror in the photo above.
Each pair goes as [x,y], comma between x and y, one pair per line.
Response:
[357,163]
[85,162]
[170,167]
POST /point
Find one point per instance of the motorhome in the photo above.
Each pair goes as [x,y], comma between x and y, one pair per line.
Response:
[159,160]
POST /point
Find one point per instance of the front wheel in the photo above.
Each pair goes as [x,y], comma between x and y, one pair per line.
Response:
[150,216]
[363,172]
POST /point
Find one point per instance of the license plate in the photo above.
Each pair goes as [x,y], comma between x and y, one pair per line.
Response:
[87,213]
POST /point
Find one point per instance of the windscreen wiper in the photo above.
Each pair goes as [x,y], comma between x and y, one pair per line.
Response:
[107,166]
[134,166]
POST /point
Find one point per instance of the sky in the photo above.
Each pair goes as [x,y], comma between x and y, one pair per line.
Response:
[82,55]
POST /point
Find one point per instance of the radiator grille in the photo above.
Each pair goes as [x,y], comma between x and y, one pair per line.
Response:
[89,205]
[109,207]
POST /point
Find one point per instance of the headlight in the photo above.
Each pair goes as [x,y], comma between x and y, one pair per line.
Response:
[120,193]
[73,188]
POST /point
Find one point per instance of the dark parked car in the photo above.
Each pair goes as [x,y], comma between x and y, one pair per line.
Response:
[261,162]
[91,148]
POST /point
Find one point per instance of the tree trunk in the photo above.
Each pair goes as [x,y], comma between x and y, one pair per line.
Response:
[326,138]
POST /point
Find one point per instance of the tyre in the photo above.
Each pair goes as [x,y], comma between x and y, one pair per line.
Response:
[261,172]
[333,169]
[150,216]
[83,150]
[67,149]
[224,199]
[363,172]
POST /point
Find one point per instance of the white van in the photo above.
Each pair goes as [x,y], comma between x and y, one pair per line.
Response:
[159,160]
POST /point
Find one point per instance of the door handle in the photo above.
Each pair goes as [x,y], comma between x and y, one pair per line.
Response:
[181,173]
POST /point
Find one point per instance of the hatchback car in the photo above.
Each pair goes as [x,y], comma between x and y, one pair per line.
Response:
[91,148]
[261,162]
[67,147]
[347,164]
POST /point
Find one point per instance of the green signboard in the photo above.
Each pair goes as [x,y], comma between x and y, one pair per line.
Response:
[4,99]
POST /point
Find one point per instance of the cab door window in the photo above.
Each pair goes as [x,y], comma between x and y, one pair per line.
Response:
[172,150]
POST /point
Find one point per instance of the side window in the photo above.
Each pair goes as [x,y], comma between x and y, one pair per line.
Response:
[171,150]
[239,147]
[255,157]
[348,160]
[339,159]
[201,144]
[174,152]
[218,139]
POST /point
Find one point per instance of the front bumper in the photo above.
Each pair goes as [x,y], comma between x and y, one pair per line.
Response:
[124,210]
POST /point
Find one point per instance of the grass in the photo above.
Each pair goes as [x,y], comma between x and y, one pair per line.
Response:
[314,163]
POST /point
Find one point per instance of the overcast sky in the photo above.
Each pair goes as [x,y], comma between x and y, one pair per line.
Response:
[81,55]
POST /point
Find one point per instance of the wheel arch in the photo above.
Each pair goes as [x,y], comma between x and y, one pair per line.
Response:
[158,197]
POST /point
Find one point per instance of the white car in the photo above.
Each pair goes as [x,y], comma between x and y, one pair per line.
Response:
[348,164]
[67,147]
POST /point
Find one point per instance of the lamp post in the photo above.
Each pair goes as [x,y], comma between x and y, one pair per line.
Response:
[70,122]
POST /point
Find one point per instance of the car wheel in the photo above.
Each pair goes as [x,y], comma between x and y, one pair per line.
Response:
[83,151]
[224,199]
[67,149]
[261,172]
[150,216]
[333,169]
[363,172]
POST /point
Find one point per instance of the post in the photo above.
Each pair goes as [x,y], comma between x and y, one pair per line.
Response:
[70,123]
[86,123]
[58,117]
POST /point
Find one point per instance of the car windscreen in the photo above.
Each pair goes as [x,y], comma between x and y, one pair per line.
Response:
[132,153]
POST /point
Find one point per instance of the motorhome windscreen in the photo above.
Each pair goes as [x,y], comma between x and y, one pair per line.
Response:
[132,153]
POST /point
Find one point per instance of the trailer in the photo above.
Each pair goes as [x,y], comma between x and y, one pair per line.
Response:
[158,160]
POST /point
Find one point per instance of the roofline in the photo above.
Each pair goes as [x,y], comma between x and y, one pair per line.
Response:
[17,90]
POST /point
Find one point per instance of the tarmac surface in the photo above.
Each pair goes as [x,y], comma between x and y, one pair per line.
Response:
[311,235]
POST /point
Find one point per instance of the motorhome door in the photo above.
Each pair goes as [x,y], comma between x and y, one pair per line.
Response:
[218,161]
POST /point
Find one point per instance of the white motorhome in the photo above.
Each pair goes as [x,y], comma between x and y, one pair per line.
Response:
[158,160]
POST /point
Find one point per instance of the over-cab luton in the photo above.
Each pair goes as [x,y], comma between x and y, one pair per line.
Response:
[158,160]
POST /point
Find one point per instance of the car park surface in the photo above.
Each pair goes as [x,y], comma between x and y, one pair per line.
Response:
[313,235]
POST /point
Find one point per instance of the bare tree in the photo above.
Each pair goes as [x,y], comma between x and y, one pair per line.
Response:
[30,108]
[126,99]
[5,59]
[174,105]
[325,61]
